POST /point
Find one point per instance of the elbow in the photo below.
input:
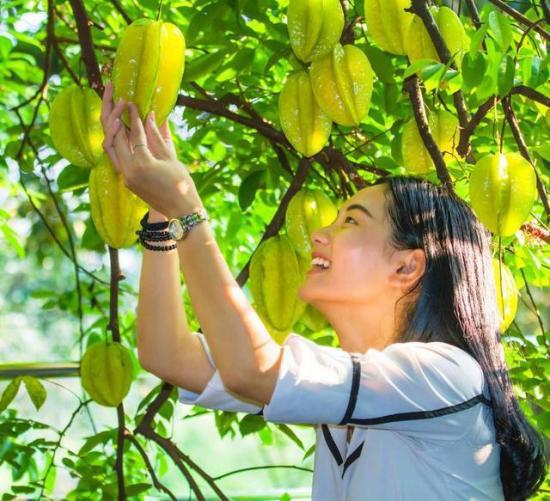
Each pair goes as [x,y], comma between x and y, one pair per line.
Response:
[238,382]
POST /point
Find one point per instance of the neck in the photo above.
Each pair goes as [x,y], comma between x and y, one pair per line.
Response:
[362,326]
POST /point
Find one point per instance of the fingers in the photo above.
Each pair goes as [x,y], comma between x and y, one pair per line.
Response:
[155,138]
[123,155]
[109,115]
[110,149]
[165,131]
[106,102]
[137,133]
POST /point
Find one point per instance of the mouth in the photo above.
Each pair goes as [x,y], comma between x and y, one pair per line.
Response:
[318,265]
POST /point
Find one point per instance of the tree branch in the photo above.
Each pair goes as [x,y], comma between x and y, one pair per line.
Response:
[420,8]
[518,16]
[412,87]
[518,136]
[279,217]
[87,51]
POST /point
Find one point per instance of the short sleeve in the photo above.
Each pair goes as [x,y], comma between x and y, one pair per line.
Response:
[412,387]
[215,395]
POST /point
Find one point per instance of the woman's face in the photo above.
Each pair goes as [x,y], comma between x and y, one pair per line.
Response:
[356,246]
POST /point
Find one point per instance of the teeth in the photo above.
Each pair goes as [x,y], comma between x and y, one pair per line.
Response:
[319,261]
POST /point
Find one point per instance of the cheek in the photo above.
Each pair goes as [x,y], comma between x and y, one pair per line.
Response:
[359,261]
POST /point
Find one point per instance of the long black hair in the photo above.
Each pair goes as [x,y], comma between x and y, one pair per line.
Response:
[456,304]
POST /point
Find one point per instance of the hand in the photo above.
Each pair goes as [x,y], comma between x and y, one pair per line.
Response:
[146,159]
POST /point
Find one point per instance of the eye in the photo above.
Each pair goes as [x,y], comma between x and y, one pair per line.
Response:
[349,217]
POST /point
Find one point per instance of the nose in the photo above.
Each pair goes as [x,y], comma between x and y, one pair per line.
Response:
[320,236]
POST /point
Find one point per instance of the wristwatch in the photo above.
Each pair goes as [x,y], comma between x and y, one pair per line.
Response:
[179,227]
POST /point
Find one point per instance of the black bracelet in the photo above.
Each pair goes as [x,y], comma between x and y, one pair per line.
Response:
[152,235]
[157,248]
[161,225]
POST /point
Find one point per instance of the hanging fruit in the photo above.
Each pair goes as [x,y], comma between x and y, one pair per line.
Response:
[106,373]
[444,130]
[507,296]
[116,211]
[503,188]
[276,274]
[304,124]
[75,125]
[418,42]
[388,23]
[148,68]
[342,84]
[307,211]
[314,27]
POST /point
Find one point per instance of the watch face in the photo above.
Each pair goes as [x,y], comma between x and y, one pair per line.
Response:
[175,229]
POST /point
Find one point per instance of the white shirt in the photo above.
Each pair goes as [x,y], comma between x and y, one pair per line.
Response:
[423,425]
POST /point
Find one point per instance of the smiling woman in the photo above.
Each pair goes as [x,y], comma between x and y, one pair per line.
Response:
[420,376]
[420,372]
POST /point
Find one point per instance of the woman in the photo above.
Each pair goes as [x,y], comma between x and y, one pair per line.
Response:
[420,375]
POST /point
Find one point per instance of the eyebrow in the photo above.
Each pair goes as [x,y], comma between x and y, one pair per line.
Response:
[359,207]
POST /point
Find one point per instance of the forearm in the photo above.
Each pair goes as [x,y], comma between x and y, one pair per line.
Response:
[161,323]
[239,342]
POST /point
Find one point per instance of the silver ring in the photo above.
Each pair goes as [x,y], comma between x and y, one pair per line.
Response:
[140,144]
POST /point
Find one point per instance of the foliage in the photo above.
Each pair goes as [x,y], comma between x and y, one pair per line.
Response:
[226,130]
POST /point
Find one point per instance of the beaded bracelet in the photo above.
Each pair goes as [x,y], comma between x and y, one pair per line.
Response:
[161,225]
[153,235]
[157,247]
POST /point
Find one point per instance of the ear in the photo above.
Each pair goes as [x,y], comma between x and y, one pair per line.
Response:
[409,267]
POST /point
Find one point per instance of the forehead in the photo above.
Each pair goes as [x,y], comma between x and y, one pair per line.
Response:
[371,197]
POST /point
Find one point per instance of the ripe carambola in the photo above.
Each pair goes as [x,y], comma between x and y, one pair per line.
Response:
[148,68]
[314,27]
[305,125]
[106,373]
[276,274]
[342,84]
[444,130]
[75,125]
[503,188]
[418,42]
[307,211]
[116,211]
[388,23]
[507,298]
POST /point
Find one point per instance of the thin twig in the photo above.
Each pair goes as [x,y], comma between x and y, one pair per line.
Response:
[518,136]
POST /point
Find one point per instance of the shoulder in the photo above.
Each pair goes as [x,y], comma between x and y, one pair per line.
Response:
[436,361]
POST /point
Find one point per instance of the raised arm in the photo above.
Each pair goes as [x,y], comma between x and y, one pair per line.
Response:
[240,344]
[166,347]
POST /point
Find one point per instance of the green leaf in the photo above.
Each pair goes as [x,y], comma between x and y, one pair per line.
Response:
[22,489]
[418,66]
[248,188]
[12,238]
[72,178]
[501,29]
[203,64]
[251,424]
[381,63]
[290,434]
[474,65]
[505,77]
[9,393]
[93,441]
[134,489]
[309,452]
[36,391]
